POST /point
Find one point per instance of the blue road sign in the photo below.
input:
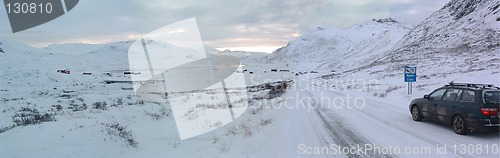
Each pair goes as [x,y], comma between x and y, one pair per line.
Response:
[410,74]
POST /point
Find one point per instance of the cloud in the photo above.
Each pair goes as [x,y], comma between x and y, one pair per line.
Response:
[221,23]
[404,1]
[414,11]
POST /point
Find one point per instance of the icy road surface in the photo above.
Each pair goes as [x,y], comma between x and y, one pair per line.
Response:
[322,123]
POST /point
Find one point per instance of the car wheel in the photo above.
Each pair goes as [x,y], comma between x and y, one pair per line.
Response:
[415,114]
[459,125]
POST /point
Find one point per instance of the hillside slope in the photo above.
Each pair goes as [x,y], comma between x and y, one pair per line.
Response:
[339,49]
[457,43]
[463,36]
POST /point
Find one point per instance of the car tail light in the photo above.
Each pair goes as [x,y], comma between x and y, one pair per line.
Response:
[489,111]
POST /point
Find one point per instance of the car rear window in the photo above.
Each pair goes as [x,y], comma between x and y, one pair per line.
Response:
[492,96]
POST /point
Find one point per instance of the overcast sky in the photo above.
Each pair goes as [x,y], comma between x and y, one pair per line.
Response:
[260,25]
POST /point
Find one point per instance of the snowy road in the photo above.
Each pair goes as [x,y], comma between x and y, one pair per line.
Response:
[370,127]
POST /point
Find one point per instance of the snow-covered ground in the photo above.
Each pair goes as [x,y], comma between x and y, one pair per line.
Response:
[45,113]
[357,118]
[357,97]
[293,125]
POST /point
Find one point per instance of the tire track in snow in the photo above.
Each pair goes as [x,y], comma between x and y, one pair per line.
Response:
[341,134]
[392,125]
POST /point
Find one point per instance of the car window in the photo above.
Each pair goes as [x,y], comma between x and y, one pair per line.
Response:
[451,94]
[437,95]
[459,96]
[492,97]
[468,96]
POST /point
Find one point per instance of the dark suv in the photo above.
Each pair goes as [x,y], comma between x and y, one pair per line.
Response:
[466,107]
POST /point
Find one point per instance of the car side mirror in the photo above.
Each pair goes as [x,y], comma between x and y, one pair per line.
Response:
[427,96]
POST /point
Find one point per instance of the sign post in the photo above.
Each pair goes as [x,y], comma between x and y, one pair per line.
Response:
[410,77]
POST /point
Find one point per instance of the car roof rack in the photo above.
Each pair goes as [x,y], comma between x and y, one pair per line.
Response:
[473,85]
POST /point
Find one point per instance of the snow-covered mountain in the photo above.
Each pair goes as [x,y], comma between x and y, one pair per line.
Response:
[14,46]
[457,43]
[247,58]
[463,35]
[115,54]
[339,49]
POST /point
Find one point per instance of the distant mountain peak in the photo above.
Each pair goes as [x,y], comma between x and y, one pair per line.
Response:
[385,20]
